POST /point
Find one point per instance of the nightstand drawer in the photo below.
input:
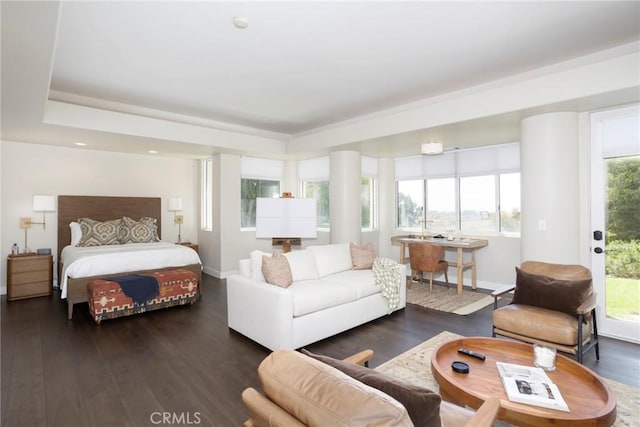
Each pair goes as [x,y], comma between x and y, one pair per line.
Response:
[28,290]
[29,277]
[25,264]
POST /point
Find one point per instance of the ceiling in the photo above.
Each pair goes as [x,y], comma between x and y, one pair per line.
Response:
[84,71]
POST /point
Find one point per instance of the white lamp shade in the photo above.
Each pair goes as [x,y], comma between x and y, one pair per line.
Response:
[174,204]
[44,203]
[432,148]
[285,217]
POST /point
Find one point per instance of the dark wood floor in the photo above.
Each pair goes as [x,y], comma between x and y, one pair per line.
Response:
[185,362]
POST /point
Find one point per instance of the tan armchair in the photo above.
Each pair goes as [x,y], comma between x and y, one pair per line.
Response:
[553,304]
[427,258]
[302,391]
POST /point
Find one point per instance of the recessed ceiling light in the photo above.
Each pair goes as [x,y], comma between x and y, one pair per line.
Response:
[81,144]
[152,152]
[240,22]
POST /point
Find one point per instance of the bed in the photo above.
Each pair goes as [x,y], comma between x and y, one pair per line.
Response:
[73,278]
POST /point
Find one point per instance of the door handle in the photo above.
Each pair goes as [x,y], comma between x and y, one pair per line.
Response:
[598,250]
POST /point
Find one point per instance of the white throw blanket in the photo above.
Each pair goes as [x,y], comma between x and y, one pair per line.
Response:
[386,273]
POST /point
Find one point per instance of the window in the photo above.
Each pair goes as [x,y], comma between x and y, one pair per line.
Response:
[510,203]
[250,189]
[259,178]
[319,190]
[410,203]
[441,205]
[475,190]
[478,203]
[206,214]
[314,177]
[367,195]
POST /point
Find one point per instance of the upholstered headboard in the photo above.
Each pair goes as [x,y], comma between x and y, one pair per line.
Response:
[103,208]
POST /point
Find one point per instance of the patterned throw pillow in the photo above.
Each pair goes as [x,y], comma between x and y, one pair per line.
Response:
[362,257]
[143,231]
[276,270]
[97,233]
[151,222]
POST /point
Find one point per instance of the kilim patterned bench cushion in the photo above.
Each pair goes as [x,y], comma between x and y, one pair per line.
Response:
[108,301]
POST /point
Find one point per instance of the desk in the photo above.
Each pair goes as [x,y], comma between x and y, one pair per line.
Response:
[460,245]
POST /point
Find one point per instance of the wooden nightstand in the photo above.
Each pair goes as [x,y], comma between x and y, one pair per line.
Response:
[29,276]
[193,246]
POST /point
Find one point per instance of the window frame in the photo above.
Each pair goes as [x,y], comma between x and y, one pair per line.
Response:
[206,194]
[373,203]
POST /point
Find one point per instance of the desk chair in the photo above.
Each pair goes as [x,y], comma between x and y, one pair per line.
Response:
[427,258]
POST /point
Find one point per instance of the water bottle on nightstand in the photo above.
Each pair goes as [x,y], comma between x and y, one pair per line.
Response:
[14,249]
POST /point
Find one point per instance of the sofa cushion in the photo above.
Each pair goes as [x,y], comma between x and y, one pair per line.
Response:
[303,265]
[362,280]
[331,258]
[539,324]
[319,395]
[553,294]
[276,270]
[256,264]
[423,405]
[310,296]
[362,257]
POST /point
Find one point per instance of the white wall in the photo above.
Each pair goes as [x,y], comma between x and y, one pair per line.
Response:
[550,188]
[29,169]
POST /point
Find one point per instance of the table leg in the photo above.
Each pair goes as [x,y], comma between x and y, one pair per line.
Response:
[460,268]
[401,252]
[474,276]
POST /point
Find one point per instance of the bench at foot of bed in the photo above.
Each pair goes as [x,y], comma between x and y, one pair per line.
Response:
[108,301]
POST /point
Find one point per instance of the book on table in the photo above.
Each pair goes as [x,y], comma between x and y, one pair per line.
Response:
[532,386]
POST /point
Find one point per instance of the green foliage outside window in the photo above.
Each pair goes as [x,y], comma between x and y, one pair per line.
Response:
[250,189]
[623,217]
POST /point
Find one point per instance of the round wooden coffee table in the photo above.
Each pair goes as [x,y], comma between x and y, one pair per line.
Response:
[590,400]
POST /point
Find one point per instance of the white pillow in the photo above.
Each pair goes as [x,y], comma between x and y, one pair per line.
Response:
[76,233]
[256,264]
[331,258]
[302,264]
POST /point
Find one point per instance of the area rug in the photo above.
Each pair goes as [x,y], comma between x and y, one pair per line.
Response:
[414,366]
[446,299]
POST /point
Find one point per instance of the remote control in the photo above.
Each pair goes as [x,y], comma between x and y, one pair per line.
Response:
[471,353]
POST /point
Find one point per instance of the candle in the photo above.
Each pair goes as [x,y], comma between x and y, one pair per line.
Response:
[544,357]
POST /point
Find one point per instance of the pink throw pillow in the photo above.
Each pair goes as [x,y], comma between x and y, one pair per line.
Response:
[362,257]
[276,270]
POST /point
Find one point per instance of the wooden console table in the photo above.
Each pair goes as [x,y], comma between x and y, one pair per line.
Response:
[459,244]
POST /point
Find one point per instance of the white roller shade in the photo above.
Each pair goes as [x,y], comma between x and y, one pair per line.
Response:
[314,169]
[497,158]
[254,167]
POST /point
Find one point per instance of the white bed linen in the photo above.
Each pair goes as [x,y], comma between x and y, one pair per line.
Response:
[110,259]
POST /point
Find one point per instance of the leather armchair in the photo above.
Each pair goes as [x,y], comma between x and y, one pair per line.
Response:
[427,258]
[573,333]
[265,412]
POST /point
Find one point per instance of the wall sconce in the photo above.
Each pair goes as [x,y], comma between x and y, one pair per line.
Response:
[175,205]
[431,148]
[286,220]
[42,204]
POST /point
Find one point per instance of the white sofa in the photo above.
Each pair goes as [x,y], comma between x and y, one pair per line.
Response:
[326,297]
